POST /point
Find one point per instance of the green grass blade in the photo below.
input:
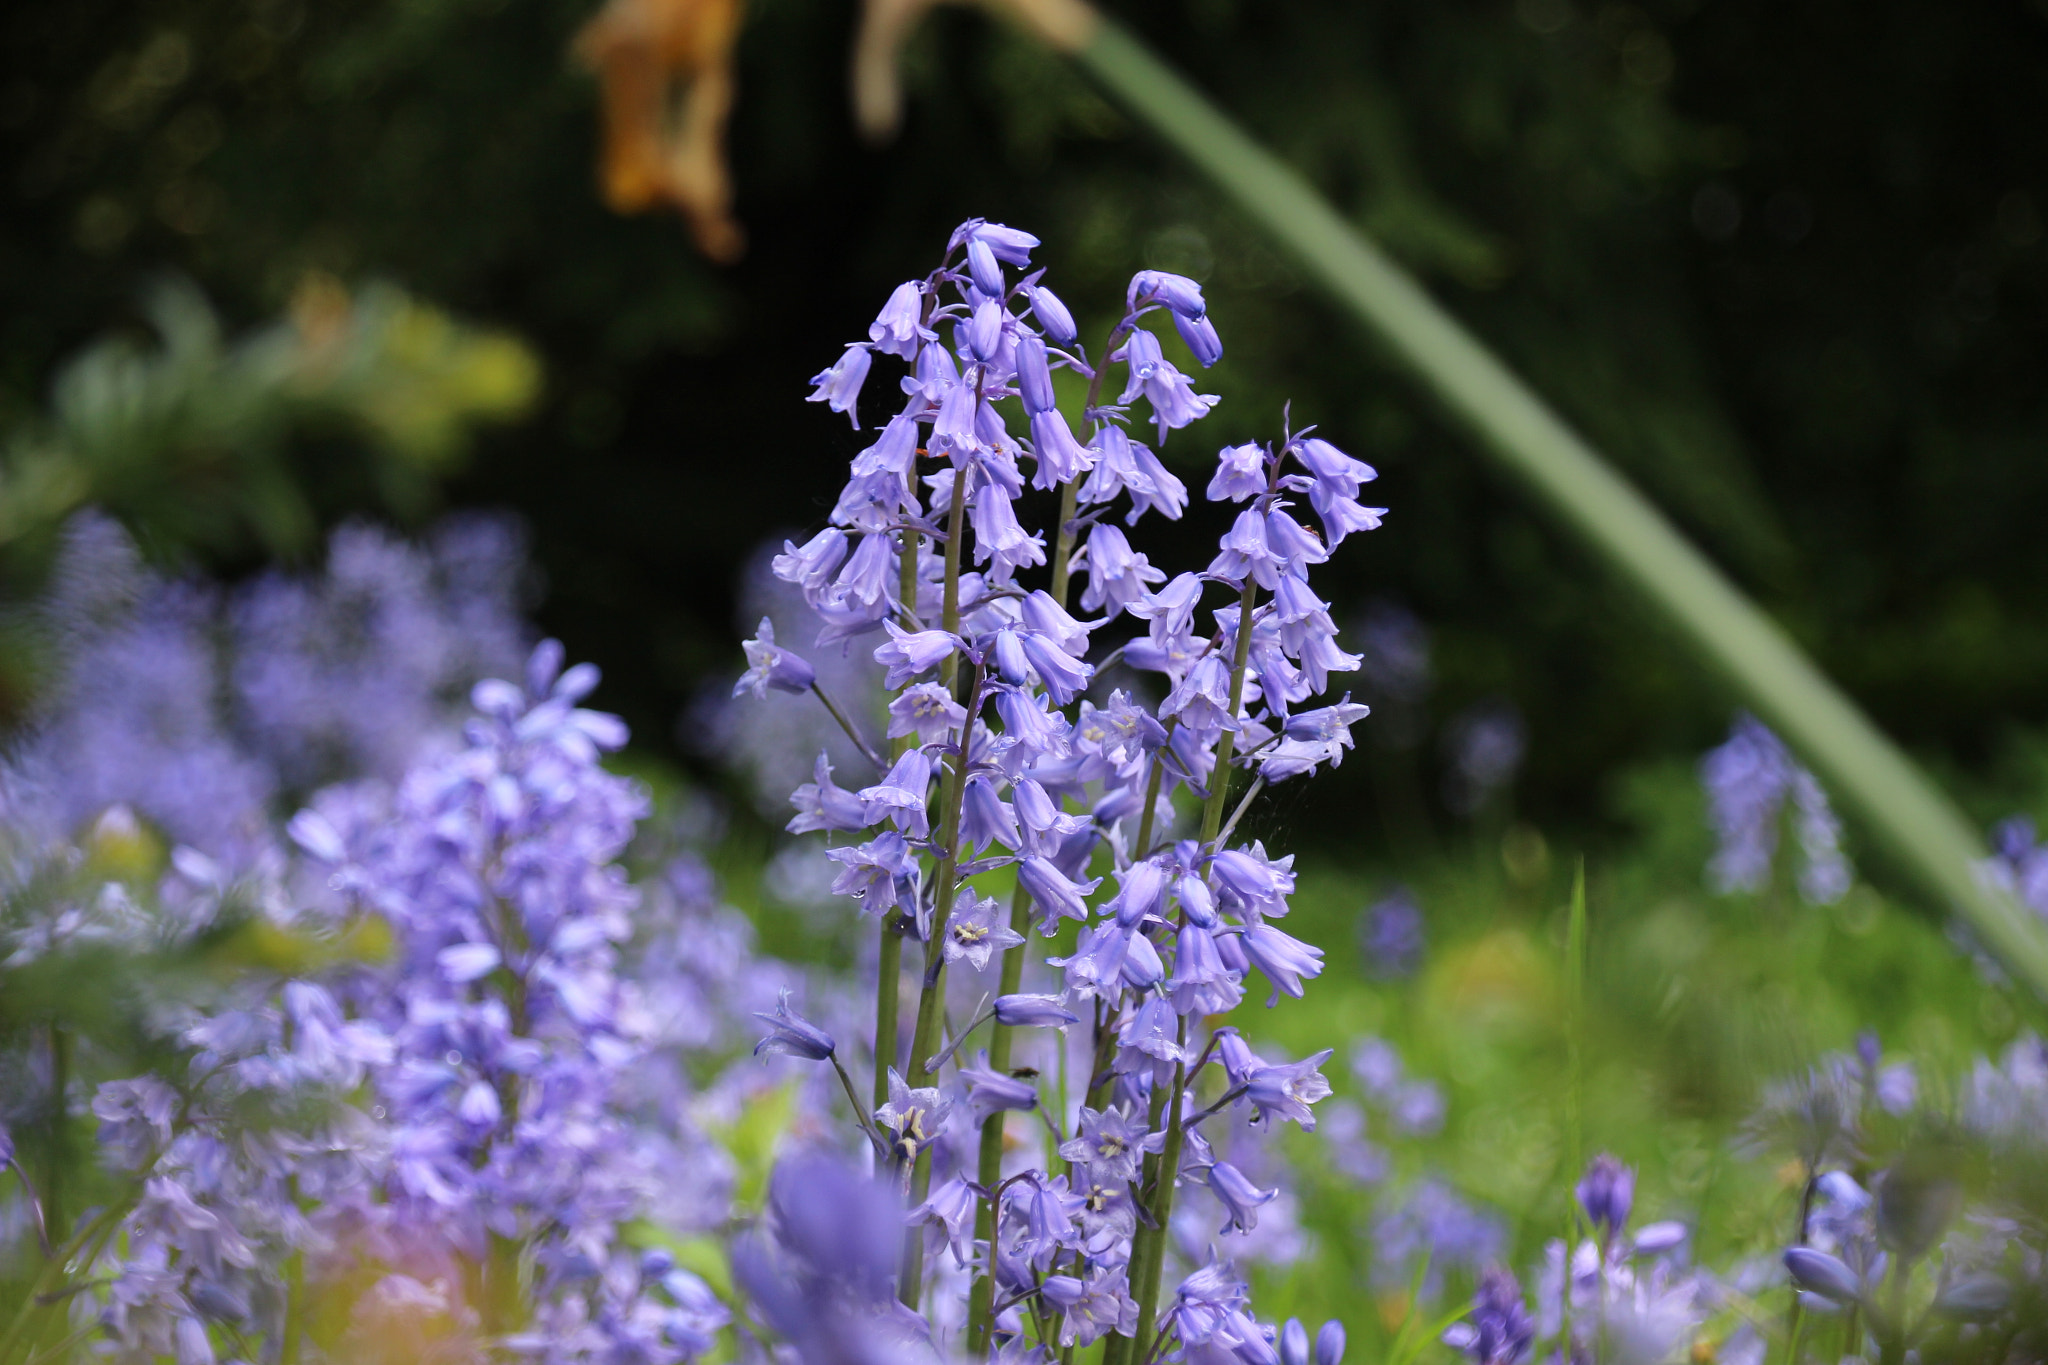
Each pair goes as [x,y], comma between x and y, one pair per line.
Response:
[1874,780]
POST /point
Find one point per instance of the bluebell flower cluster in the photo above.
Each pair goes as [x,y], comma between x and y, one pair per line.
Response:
[463,1063]
[199,711]
[1748,781]
[472,1155]
[1009,760]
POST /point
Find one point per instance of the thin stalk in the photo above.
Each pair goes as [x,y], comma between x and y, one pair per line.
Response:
[1118,1349]
[1914,819]
[889,960]
[931,1000]
[35,1207]
[888,1003]
[1244,804]
[1226,747]
[867,1125]
[1001,1043]
[1143,846]
[1063,544]
[860,741]
[949,602]
[1161,1206]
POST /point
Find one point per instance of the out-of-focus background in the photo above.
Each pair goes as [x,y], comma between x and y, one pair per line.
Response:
[1785,267]
[270,268]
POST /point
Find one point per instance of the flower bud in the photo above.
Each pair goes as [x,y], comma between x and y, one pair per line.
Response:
[1822,1274]
[1053,315]
[1034,375]
[1294,1343]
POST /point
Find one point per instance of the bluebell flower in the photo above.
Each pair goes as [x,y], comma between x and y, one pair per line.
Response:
[1045,1208]
[1061,458]
[769,665]
[1282,958]
[1153,377]
[1111,1143]
[1142,969]
[812,565]
[1288,1091]
[983,331]
[926,710]
[1238,1195]
[1034,1011]
[1330,1343]
[1095,968]
[1607,1193]
[1201,700]
[1141,895]
[872,867]
[1747,780]
[913,1118]
[1240,473]
[983,269]
[975,931]
[1056,895]
[1201,984]
[899,330]
[1201,338]
[899,797]
[1012,246]
[1151,1029]
[999,540]
[947,1217]
[1248,877]
[1335,491]
[839,386]
[912,653]
[1179,293]
[1034,376]
[985,817]
[1092,1307]
[863,589]
[1117,574]
[1063,676]
[1107,1213]
[793,1035]
[990,1091]
[822,804]
[1501,1331]
[1825,1275]
[837,1227]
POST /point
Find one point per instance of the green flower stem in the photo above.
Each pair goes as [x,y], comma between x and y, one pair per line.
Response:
[1001,1041]
[889,973]
[931,1000]
[989,1170]
[1148,1250]
[888,1004]
[1911,817]
[1226,747]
